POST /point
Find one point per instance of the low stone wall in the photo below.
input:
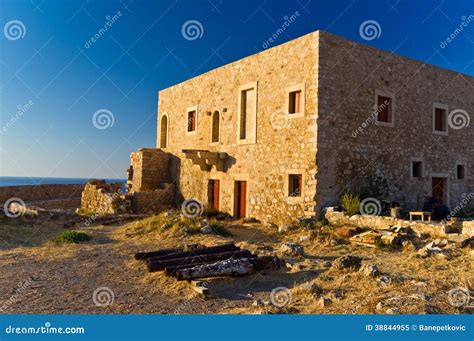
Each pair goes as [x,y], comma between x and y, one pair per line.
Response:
[378,222]
[153,201]
[103,198]
[40,192]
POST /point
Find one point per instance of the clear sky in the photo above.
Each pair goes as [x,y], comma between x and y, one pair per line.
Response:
[54,78]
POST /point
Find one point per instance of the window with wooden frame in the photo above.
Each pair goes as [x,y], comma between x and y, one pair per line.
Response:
[191,119]
[295,100]
[247,114]
[215,127]
[384,111]
[294,185]
[440,119]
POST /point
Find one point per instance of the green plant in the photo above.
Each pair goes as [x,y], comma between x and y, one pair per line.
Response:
[71,237]
[350,203]
[376,187]
[219,229]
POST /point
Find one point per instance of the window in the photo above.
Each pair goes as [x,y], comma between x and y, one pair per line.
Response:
[417,169]
[247,114]
[383,109]
[460,172]
[295,103]
[192,120]
[215,134]
[440,126]
[164,131]
[294,185]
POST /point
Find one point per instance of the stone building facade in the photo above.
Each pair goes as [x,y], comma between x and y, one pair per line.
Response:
[283,133]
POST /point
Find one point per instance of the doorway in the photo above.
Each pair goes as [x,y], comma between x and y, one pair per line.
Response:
[438,189]
[214,194]
[240,199]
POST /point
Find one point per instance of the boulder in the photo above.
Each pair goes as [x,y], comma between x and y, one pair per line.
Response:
[347,231]
[346,262]
[369,270]
[292,249]
[323,302]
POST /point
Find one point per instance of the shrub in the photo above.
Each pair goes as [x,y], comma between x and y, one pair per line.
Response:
[219,229]
[71,237]
[350,203]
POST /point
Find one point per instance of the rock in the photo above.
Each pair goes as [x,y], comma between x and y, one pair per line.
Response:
[221,216]
[334,242]
[336,295]
[379,306]
[323,302]
[347,231]
[304,238]
[271,225]
[311,288]
[393,311]
[284,228]
[346,262]
[408,245]
[250,220]
[385,280]
[428,250]
[369,270]
[206,229]
[292,249]
[257,303]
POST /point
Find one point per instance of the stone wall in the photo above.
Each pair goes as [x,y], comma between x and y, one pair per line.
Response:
[40,192]
[104,198]
[153,201]
[150,169]
[351,148]
[282,145]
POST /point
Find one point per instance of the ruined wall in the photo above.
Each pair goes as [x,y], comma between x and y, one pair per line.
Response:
[282,145]
[40,192]
[349,76]
[150,169]
[103,198]
[153,201]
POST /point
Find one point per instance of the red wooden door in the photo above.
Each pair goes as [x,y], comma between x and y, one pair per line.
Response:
[214,194]
[240,199]
[438,189]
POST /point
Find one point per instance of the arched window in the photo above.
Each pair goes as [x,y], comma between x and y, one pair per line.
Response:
[215,127]
[164,131]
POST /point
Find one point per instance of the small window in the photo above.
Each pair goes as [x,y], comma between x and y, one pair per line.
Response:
[440,119]
[461,172]
[417,169]
[294,102]
[215,127]
[192,118]
[384,109]
[294,185]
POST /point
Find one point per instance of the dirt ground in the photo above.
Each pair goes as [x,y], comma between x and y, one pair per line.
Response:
[39,276]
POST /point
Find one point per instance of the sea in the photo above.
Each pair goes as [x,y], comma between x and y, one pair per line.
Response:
[23,181]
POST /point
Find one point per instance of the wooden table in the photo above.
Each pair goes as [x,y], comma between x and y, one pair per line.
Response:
[421,214]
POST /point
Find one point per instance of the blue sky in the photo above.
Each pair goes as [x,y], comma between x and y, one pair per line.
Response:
[57,78]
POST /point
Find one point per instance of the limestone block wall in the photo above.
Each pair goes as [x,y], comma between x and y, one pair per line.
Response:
[350,146]
[40,192]
[150,167]
[283,145]
[103,198]
[153,201]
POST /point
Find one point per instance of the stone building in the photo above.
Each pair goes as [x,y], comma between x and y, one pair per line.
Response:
[283,133]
